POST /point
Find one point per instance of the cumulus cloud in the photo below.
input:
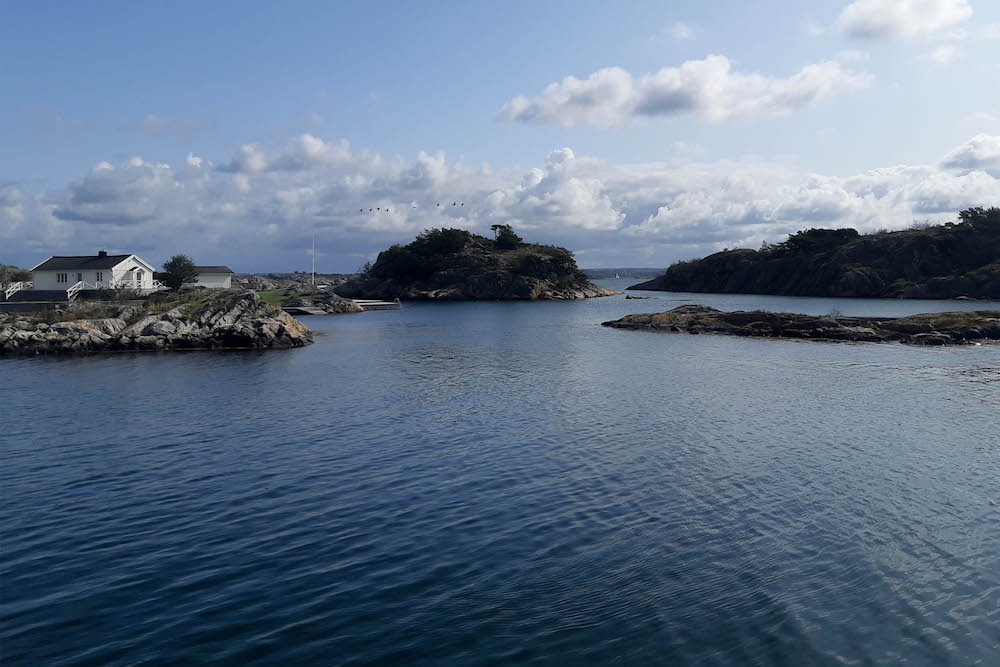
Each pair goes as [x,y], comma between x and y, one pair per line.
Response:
[890,19]
[707,88]
[981,152]
[259,211]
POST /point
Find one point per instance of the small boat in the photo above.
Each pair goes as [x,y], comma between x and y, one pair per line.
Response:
[617,276]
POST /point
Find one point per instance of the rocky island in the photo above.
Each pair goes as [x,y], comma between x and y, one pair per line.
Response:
[220,320]
[456,265]
[925,329]
[953,260]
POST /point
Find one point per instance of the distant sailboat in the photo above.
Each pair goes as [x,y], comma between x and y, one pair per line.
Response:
[617,276]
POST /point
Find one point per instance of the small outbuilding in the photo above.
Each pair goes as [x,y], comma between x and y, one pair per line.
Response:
[218,277]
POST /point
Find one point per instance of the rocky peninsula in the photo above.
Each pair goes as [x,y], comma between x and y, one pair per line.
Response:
[230,319]
[947,261]
[326,300]
[952,328]
[456,265]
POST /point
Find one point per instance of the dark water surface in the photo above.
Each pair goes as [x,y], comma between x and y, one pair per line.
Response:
[498,483]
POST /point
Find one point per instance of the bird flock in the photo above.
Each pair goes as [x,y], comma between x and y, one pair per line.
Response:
[379,209]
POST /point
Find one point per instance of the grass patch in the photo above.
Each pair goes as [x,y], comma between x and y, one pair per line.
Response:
[272,298]
[191,308]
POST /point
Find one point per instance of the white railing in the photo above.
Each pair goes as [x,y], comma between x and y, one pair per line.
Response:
[14,288]
[110,284]
[73,290]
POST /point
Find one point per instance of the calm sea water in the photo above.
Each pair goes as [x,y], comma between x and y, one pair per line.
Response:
[504,483]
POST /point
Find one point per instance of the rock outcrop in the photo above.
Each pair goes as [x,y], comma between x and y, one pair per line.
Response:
[332,303]
[933,262]
[225,321]
[925,329]
[454,265]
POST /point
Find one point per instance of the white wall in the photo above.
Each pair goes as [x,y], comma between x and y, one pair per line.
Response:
[127,271]
[48,280]
[217,280]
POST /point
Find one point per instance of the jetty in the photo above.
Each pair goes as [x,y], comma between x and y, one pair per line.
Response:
[375,304]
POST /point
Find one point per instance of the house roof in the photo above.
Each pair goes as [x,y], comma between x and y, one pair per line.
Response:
[214,269]
[71,263]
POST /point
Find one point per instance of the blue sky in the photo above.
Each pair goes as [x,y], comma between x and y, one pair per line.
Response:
[691,126]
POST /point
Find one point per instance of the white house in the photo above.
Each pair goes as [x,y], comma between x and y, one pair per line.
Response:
[220,277]
[95,272]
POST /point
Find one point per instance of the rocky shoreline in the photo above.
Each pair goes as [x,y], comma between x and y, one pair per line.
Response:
[952,328]
[476,288]
[223,322]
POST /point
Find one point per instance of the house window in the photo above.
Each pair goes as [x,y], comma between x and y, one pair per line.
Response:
[62,277]
[100,276]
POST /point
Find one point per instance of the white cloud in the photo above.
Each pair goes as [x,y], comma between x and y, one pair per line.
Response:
[708,88]
[250,158]
[943,55]
[981,152]
[262,217]
[889,19]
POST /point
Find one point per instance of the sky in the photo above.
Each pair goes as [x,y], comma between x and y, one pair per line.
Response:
[633,134]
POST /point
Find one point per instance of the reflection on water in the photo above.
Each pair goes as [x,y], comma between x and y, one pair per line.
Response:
[493,483]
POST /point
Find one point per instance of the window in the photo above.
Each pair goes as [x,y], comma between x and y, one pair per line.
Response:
[62,277]
[100,276]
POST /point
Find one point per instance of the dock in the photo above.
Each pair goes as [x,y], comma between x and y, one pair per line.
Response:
[375,304]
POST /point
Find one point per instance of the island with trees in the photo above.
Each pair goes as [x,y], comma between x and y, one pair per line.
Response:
[457,265]
[953,260]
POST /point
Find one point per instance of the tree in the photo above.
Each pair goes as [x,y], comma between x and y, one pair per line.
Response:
[506,239]
[178,270]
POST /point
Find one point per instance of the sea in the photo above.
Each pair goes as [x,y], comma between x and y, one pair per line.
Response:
[506,483]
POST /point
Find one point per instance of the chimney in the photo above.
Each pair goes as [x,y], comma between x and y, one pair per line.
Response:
[102,253]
